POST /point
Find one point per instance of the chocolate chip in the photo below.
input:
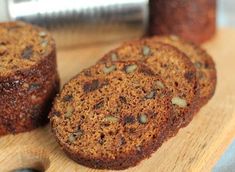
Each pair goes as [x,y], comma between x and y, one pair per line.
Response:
[67,98]
[99,104]
[129,120]
[27,52]
[122,99]
[91,86]
[34,86]
[189,75]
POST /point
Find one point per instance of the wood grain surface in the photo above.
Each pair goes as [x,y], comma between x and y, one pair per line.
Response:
[195,148]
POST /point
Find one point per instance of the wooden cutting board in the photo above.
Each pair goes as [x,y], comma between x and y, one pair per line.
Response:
[195,148]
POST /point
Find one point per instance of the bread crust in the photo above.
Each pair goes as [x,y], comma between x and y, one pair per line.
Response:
[26,94]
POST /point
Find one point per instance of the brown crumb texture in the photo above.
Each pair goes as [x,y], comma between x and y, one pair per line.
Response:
[112,115]
[203,62]
[194,20]
[28,77]
[173,66]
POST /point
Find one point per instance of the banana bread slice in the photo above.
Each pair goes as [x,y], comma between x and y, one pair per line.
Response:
[112,115]
[175,69]
[28,77]
[203,62]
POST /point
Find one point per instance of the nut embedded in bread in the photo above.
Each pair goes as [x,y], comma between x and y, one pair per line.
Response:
[112,115]
[28,76]
[175,69]
[203,62]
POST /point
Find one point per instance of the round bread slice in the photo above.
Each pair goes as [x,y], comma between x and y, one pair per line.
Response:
[28,77]
[175,69]
[111,116]
[204,64]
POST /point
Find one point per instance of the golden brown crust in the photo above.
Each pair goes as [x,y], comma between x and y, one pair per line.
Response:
[203,62]
[193,20]
[112,115]
[27,89]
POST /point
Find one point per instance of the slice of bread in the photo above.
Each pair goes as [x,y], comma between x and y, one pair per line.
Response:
[28,77]
[204,64]
[175,69]
[112,115]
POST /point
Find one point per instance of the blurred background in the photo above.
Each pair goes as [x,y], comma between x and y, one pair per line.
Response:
[74,22]
[226,13]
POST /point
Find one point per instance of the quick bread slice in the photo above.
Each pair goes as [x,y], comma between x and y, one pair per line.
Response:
[28,77]
[112,115]
[203,62]
[175,69]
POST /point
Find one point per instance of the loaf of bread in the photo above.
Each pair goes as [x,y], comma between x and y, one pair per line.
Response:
[28,77]
[112,115]
[175,69]
[193,20]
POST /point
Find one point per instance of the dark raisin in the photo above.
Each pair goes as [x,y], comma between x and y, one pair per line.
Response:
[91,86]
[189,75]
[122,141]
[99,105]
[129,120]
[34,86]
[67,98]
[55,113]
[27,52]
[102,139]
[207,65]
[122,99]
[146,71]
[87,72]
